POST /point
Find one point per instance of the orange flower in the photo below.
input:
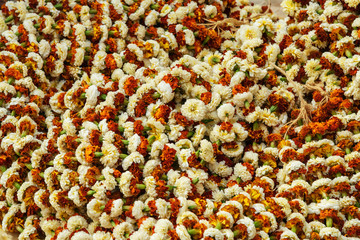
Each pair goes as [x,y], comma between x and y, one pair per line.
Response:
[173,81]
[90,153]
[91,174]
[239,89]
[110,62]
[206,97]
[226,126]
[162,114]
[167,157]
[225,79]
[263,223]
[181,120]
[142,148]
[152,205]
[130,85]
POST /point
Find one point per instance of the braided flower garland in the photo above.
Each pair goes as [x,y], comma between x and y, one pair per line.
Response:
[170,119]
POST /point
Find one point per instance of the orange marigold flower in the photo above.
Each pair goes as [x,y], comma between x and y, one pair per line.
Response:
[142,148]
[181,120]
[167,158]
[162,114]
[90,153]
[130,85]
[239,89]
[225,78]
[226,126]
[206,97]
[333,124]
[110,62]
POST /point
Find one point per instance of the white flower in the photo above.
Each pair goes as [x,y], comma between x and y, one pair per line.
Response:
[226,111]
[206,151]
[125,183]
[165,91]
[214,233]
[182,232]
[120,230]
[330,232]
[250,227]
[194,109]
[248,33]
[111,155]
[76,222]
[183,187]
[242,172]
[150,184]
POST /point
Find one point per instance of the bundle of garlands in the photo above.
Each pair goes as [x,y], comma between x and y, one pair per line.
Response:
[153,119]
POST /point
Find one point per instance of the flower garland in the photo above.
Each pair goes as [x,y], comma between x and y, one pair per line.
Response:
[143,119]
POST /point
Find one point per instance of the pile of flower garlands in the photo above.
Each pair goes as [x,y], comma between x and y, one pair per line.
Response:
[143,119]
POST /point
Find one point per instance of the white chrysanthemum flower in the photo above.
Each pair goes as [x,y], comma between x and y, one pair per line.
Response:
[194,109]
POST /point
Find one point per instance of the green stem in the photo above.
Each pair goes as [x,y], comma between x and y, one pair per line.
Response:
[125,142]
[348,53]
[140,186]
[192,207]
[3,168]
[123,156]
[125,208]
[238,180]
[255,126]
[113,223]
[347,150]
[257,224]
[317,68]
[103,96]
[329,222]
[273,108]
[308,138]
[218,225]
[100,178]
[193,232]
[171,187]
[19,228]
[93,11]
[294,229]
[190,134]
[247,104]
[206,40]
[98,154]
[154,6]
[11,80]
[28,166]
[215,59]
[58,6]
[207,120]
[156,95]
[151,139]
[17,185]
[121,129]
[9,18]
[90,192]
